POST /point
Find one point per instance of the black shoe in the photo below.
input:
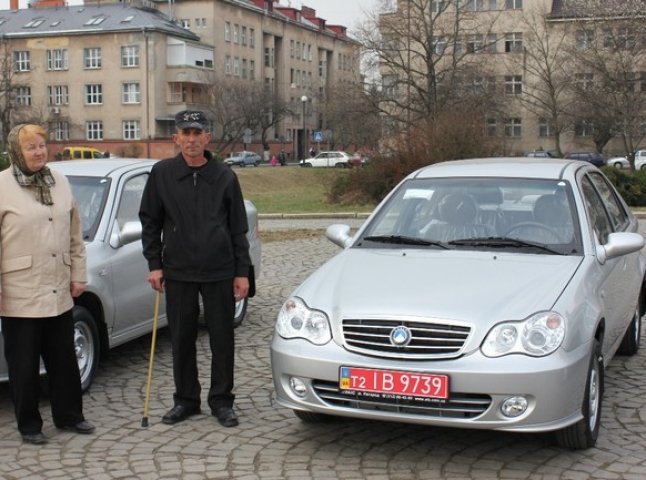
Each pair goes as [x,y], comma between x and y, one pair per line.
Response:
[179,413]
[34,438]
[83,427]
[226,416]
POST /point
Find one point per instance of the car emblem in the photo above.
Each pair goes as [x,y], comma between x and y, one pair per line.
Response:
[400,336]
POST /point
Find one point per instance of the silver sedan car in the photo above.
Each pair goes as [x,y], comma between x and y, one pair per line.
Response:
[118,304]
[488,293]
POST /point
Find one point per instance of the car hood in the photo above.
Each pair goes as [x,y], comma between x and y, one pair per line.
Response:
[478,287]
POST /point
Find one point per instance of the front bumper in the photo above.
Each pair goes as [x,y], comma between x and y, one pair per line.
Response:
[553,387]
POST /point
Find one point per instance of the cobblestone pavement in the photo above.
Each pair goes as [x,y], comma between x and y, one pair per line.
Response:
[271,443]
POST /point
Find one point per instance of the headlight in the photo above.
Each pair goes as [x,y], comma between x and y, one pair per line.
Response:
[297,320]
[539,335]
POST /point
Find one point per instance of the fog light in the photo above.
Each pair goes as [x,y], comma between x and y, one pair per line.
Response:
[514,406]
[298,386]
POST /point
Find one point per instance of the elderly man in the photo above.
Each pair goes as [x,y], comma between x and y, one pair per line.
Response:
[194,226]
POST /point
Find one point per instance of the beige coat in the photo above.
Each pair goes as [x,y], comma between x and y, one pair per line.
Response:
[41,249]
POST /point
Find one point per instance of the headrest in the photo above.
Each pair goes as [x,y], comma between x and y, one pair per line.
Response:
[549,210]
[457,209]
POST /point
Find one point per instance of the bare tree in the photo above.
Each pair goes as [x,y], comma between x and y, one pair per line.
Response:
[609,52]
[546,67]
[427,54]
[350,117]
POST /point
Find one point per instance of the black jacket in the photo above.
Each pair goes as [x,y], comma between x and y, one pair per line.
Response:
[194,222]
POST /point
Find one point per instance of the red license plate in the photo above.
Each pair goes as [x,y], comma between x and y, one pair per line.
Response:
[393,382]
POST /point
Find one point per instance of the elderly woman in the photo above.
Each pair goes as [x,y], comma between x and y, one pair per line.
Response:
[42,266]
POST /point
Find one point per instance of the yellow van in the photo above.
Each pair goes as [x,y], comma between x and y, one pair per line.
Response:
[75,153]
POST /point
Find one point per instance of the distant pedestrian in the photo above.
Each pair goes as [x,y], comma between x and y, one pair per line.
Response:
[282,158]
[274,160]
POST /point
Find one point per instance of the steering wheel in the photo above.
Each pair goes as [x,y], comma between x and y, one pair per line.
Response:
[535,225]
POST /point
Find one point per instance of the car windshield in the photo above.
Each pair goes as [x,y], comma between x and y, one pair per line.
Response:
[513,214]
[90,194]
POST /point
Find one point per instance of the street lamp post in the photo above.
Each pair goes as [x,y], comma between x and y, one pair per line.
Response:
[304,100]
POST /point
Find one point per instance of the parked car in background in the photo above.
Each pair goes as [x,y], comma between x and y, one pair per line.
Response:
[336,159]
[118,303]
[78,153]
[243,159]
[622,162]
[594,158]
[539,153]
[488,293]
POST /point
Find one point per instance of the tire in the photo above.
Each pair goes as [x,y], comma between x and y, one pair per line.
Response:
[240,312]
[583,434]
[630,343]
[86,345]
[340,165]
[312,417]
[307,165]
[643,167]
[618,165]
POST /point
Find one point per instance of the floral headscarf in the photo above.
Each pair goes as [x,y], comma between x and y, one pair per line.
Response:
[42,179]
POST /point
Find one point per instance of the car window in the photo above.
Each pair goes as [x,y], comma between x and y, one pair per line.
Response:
[90,194]
[524,215]
[616,210]
[596,212]
[131,199]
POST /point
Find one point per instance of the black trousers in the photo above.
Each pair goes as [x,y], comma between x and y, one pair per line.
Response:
[25,341]
[182,308]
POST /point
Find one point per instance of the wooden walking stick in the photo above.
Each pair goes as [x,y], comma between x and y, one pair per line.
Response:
[144,419]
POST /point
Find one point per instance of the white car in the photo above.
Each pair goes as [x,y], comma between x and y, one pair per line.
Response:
[622,162]
[336,159]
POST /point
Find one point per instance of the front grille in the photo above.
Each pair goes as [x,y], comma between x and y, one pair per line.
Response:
[429,340]
[459,405]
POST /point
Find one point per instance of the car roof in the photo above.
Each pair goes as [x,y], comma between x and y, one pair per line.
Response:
[526,167]
[99,167]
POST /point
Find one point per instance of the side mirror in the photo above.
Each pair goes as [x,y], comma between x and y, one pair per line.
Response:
[130,232]
[339,235]
[618,244]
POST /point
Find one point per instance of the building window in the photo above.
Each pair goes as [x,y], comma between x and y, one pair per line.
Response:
[583,128]
[94,94]
[236,67]
[130,56]
[227,65]
[244,68]
[236,33]
[513,84]
[23,96]
[389,85]
[584,81]
[252,38]
[513,42]
[227,31]
[131,130]
[252,69]
[269,57]
[57,59]
[584,39]
[513,4]
[175,92]
[474,43]
[94,130]
[439,6]
[492,41]
[439,44]
[243,36]
[491,127]
[545,128]
[58,95]
[21,61]
[130,93]
[513,127]
[59,131]
[291,49]
[479,5]
[92,58]
[185,23]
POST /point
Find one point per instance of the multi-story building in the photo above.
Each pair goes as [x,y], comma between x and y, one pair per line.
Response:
[524,53]
[113,75]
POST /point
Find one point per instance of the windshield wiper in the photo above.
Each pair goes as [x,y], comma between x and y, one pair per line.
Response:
[502,242]
[403,240]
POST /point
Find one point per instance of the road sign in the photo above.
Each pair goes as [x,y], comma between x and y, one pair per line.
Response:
[318,136]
